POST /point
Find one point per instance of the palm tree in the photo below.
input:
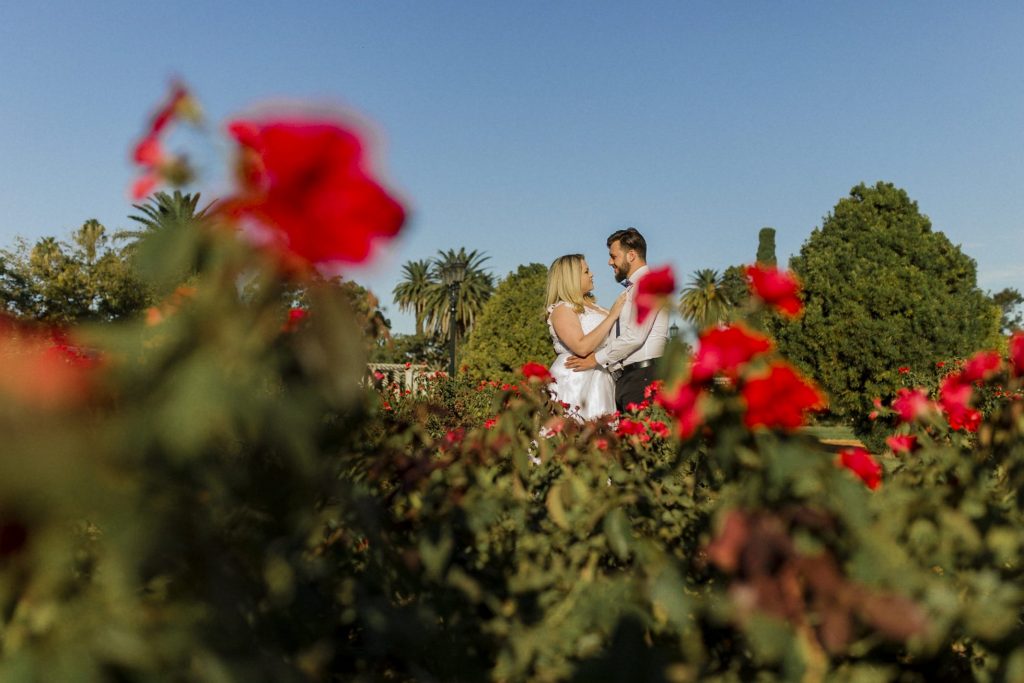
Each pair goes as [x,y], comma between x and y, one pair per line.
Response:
[412,292]
[165,212]
[705,300]
[476,288]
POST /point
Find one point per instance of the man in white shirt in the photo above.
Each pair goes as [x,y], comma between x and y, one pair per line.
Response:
[632,355]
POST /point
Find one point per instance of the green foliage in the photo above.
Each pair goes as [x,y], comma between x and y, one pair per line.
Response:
[706,299]
[474,290]
[414,290]
[1009,301]
[511,329]
[61,282]
[411,348]
[766,247]
[882,290]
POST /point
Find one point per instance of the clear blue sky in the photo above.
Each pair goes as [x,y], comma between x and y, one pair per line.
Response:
[530,129]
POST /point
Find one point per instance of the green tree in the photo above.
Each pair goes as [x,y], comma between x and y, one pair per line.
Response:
[882,290]
[411,294]
[58,282]
[766,247]
[476,288]
[705,300]
[511,329]
[1009,301]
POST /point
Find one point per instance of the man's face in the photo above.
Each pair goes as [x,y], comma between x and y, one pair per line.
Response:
[618,259]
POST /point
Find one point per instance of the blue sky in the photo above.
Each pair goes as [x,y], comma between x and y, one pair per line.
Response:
[530,129]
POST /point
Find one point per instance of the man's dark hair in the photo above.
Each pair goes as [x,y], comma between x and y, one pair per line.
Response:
[630,238]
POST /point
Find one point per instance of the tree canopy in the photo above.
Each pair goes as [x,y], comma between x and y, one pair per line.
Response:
[511,329]
[882,291]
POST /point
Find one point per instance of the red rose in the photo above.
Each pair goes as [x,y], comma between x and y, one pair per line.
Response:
[659,428]
[955,398]
[902,443]
[490,422]
[911,404]
[724,349]
[980,366]
[1017,353]
[652,290]
[537,371]
[306,183]
[780,399]
[295,317]
[777,288]
[630,427]
[682,404]
[903,370]
[861,463]
[149,153]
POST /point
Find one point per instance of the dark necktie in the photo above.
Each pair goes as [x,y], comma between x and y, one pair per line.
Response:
[625,283]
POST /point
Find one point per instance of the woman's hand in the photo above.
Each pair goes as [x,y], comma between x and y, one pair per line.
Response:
[616,308]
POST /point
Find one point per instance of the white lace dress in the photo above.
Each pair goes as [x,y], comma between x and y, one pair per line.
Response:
[589,393]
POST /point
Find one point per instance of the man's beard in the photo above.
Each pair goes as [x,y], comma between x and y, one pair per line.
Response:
[620,273]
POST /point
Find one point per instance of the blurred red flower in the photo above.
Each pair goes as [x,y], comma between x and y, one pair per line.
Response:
[630,427]
[777,288]
[1017,353]
[955,398]
[902,443]
[911,404]
[41,368]
[307,184]
[903,370]
[724,349]
[659,428]
[780,399]
[861,463]
[295,318]
[533,370]
[980,366]
[149,153]
[652,290]
[682,404]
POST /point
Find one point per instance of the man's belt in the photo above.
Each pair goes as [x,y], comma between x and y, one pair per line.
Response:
[639,365]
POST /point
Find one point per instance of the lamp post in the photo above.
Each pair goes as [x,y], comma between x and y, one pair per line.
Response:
[673,331]
[452,275]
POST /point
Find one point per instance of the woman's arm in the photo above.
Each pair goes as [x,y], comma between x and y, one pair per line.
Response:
[567,327]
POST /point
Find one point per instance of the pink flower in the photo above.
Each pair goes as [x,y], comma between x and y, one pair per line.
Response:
[724,349]
[536,371]
[861,463]
[652,290]
[777,288]
[902,443]
[307,183]
[911,404]
[781,398]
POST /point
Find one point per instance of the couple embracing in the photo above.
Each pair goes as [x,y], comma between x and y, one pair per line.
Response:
[605,359]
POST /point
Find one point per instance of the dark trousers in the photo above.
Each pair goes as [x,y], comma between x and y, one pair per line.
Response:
[629,387]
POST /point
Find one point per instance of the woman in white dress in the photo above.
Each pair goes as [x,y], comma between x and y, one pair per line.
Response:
[578,326]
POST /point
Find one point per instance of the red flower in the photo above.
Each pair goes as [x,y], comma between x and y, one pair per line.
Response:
[724,349]
[682,404]
[903,370]
[911,404]
[149,152]
[144,185]
[295,317]
[940,364]
[780,399]
[861,463]
[777,288]
[306,183]
[652,290]
[652,389]
[955,398]
[537,371]
[40,369]
[630,427]
[1017,353]
[490,422]
[601,444]
[902,443]
[659,428]
[179,104]
[980,366]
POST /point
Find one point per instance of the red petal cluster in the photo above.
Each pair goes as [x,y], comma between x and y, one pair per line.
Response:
[911,404]
[682,404]
[980,366]
[955,398]
[724,349]
[861,463]
[1017,353]
[780,399]
[295,318]
[42,369]
[537,371]
[777,288]
[630,428]
[902,443]
[652,290]
[306,183]
[149,153]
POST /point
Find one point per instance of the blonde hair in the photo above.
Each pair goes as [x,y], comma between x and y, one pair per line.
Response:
[564,279]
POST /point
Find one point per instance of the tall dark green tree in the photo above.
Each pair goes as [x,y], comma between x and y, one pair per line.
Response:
[511,329]
[766,247]
[882,290]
